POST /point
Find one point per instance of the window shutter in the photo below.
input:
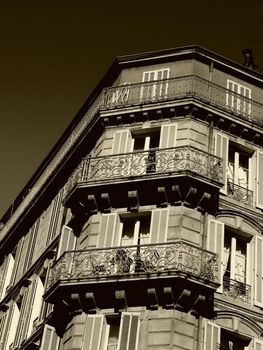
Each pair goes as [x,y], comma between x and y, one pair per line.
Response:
[168,135]
[22,318]
[6,273]
[17,261]
[159,225]
[121,142]
[221,150]
[129,331]
[34,304]
[50,340]
[258,344]
[215,244]
[259,180]
[96,333]
[107,230]
[31,246]
[259,271]
[11,326]
[211,336]
[56,217]
[67,241]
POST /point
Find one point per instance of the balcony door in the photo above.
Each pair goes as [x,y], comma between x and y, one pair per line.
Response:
[238,98]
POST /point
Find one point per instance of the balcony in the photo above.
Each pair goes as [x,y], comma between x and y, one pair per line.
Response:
[239,193]
[185,87]
[144,172]
[176,274]
[237,290]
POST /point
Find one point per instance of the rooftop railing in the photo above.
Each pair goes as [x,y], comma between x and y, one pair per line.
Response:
[145,163]
[118,262]
[189,86]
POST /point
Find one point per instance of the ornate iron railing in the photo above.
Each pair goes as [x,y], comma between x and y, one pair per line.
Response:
[113,346]
[154,161]
[136,260]
[239,193]
[237,290]
[189,86]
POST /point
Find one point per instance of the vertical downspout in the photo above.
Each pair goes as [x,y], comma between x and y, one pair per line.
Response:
[205,219]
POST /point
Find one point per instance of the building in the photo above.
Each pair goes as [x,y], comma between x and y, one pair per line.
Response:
[142,229]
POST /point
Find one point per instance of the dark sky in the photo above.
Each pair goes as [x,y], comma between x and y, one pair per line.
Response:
[53,53]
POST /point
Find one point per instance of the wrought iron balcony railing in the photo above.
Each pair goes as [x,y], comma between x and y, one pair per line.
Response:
[112,346]
[144,163]
[237,290]
[239,193]
[132,261]
[189,86]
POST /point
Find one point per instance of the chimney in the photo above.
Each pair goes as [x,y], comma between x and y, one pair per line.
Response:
[248,58]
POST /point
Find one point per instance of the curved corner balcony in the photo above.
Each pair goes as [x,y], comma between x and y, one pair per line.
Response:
[145,171]
[173,272]
[184,87]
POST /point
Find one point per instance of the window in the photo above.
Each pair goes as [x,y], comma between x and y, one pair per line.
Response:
[234,251]
[157,87]
[240,167]
[135,229]
[238,98]
[217,338]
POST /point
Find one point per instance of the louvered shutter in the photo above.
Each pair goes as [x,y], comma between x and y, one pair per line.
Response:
[50,340]
[168,135]
[3,318]
[108,230]
[22,318]
[17,261]
[46,308]
[129,331]
[56,217]
[6,274]
[121,142]
[31,246]
[259,271]
[34,304]
[215,244]
[11,326]
[221,150]
[67,240]
[259,180]
[96,333]
[159,225]
[211,336]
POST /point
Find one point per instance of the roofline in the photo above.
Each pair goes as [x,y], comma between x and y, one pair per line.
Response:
[133,60]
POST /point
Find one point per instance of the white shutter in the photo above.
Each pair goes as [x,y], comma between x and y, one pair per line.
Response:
[31,245]
[107,232]
[121,142]
[211,336]
[96,333]
[259,271]
[35,303]
[215,244]
[19,248]
[168,135]
[129,331]
[22,318]
[221,150]
[67,241]
[258,344]
[252,175]
[50,340]
[6,273]
[159,225]
[11,326]
[56,217]
[259,180]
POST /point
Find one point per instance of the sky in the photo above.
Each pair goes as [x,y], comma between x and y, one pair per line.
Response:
[53,54]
